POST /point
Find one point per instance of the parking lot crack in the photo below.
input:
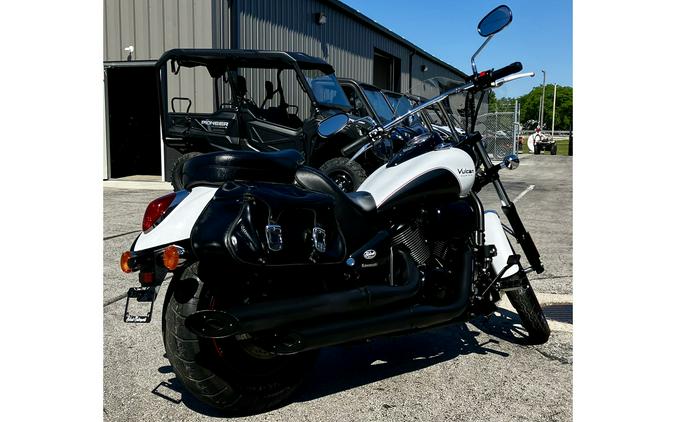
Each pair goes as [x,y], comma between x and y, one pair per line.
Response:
[121,234]
[552,357]
[114,299]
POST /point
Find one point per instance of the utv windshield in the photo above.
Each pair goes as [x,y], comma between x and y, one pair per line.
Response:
[379,103]
[326,88]
[399,103]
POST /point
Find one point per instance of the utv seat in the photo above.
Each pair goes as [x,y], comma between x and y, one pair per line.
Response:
[355,211]
[216,168]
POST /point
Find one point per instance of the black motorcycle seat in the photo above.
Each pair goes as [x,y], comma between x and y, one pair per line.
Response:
[355,211]
[216,168]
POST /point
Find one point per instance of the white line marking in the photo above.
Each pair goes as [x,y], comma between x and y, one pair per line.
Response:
[529,188]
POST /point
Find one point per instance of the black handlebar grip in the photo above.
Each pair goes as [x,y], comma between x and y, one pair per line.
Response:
[507,70]
[354,146]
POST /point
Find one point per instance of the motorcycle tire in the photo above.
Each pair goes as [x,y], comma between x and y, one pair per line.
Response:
[536,150]
[236,377]
[554,150]
[348,175]
[531,315]
[177,170]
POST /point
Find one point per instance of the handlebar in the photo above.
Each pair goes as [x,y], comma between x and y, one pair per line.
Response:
[507,70]
[483,81]
[355,146]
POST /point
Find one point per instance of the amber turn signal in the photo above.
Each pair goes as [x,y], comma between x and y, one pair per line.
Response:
[124,262]
[171,257]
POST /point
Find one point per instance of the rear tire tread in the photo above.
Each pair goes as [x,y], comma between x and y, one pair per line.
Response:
[233,391]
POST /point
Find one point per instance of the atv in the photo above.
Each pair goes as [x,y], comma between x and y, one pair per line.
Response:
[538,142]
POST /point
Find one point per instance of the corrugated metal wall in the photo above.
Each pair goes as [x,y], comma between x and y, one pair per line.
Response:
[343,41]
[154,26]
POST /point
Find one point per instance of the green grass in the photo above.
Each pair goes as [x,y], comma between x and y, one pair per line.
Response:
[563,147]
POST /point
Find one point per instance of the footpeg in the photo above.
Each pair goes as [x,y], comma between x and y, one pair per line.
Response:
[142,295]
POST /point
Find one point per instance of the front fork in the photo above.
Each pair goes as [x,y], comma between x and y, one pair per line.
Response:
[518,229]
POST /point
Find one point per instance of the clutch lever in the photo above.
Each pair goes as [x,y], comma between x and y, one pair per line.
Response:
[505,79]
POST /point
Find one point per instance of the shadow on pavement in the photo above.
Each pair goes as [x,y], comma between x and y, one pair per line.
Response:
[346,367]
[341,368]
[505,325]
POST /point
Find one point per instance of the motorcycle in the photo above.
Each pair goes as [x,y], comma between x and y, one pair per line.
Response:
[272,261]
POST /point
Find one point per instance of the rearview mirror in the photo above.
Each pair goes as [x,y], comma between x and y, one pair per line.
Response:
[333,125]
[495,21]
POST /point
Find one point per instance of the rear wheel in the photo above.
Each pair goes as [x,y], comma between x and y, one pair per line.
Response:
[347,174]
[554,149]
[531,315]
[177,170]
[234,376]
[536,150]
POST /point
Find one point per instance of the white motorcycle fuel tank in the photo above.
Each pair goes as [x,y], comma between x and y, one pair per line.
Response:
[448,165]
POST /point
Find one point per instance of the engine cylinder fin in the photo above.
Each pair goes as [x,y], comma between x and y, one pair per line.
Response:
[412,239]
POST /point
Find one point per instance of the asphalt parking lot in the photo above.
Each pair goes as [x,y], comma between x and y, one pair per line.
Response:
[477,371]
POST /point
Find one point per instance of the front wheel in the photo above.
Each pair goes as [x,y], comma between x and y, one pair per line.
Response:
[531,315]
[554,149]
[347,174]
[235,376]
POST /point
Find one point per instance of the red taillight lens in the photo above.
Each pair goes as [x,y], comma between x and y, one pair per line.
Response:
[156,209]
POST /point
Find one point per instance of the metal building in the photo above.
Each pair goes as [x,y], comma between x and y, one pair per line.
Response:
[137,32]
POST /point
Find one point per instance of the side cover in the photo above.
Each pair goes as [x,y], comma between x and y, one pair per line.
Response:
[494,235]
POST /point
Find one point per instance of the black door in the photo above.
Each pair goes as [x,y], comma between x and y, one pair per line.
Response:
[386,71]
[133,119]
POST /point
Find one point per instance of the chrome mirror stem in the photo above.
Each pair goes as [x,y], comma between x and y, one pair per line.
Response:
[473,58]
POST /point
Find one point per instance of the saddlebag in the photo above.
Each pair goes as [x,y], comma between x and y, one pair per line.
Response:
[269,224]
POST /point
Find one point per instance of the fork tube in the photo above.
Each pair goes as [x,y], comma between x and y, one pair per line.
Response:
[480,220]
[487,163]
[509,209]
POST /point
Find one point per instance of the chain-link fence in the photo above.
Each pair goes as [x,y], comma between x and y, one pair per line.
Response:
[501,131]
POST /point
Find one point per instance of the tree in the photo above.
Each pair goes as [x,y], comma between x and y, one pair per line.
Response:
[529,106]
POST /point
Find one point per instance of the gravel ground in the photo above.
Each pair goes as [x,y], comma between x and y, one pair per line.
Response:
[477,371]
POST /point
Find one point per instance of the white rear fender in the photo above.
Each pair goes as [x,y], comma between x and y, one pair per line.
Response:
[495,235]
[178,224]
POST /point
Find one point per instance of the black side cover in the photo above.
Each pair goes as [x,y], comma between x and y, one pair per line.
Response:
[232,228]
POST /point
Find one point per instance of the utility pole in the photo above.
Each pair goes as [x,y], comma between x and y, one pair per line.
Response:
[555,90]
[541,102]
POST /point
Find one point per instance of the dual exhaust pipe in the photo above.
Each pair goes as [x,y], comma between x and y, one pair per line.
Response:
[312,323]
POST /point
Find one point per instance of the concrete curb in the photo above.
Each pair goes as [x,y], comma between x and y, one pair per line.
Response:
[135,184]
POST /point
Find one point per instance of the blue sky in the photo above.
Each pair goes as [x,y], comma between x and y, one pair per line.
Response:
[540,35]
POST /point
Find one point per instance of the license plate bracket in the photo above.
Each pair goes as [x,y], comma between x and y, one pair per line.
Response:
[142,295]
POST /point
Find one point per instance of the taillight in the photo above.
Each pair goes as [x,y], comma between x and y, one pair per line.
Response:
[126,262]
[155,210]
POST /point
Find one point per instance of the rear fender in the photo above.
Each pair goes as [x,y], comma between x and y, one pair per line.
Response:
[177,225]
